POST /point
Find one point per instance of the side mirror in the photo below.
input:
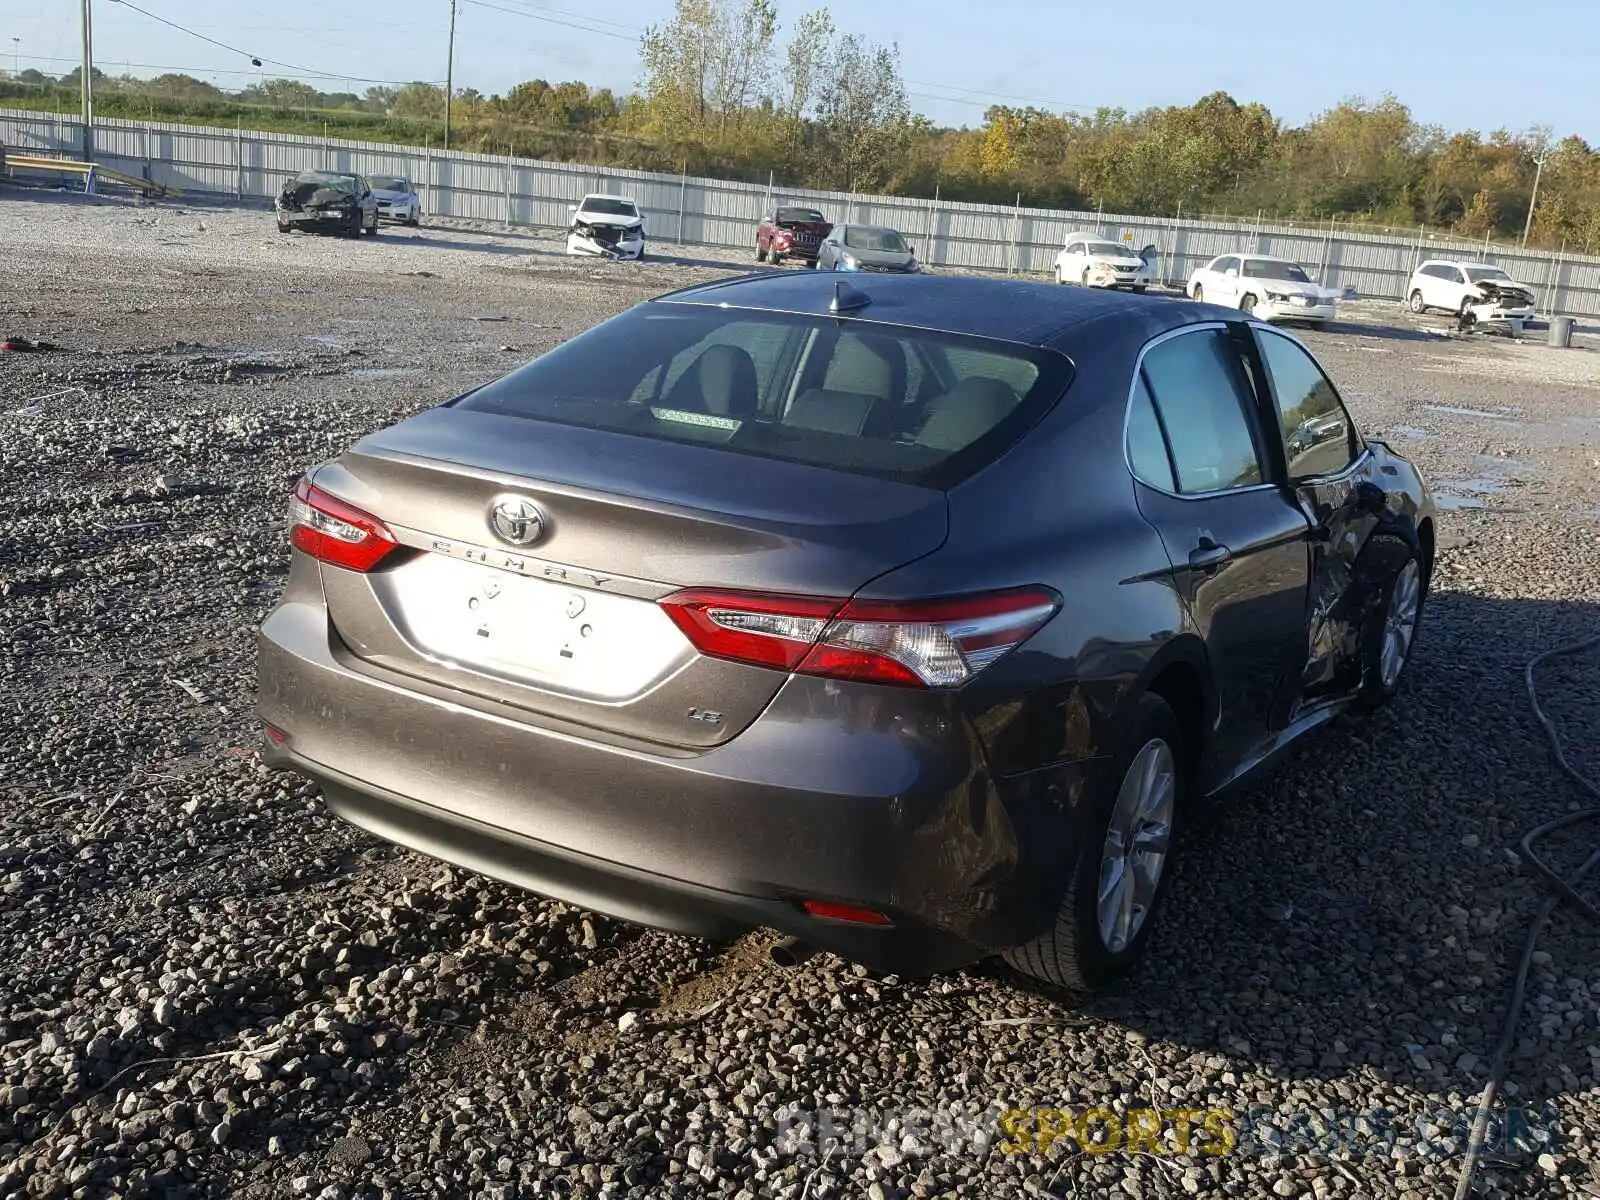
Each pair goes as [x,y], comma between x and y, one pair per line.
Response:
[911,250]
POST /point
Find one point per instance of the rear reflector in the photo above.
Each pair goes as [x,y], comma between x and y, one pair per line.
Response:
[919,643]
[332,531]
[827,910]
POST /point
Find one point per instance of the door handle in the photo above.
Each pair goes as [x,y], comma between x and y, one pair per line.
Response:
[1209,556]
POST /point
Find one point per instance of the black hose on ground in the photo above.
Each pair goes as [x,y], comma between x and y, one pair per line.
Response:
[1561,889]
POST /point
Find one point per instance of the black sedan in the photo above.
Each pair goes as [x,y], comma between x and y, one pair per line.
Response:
[909,616]
[327,201]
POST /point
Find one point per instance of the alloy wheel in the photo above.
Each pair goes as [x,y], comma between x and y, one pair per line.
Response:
[1137,842]
[1400,623]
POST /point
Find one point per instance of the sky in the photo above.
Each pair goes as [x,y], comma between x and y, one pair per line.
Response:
[1463,64]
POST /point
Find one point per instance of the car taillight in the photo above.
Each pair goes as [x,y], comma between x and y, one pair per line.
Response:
[916,643]
[332,531]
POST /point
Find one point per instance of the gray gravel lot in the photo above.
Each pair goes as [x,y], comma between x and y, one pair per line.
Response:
[215,988]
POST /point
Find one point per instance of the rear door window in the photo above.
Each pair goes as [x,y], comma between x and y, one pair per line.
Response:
[1202,398]
[855,396]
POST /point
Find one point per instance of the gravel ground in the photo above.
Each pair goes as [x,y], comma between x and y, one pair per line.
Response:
[215,988]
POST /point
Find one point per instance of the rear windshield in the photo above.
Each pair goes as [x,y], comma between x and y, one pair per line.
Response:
[879,400]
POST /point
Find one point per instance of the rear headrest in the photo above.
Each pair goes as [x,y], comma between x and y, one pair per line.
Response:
[728,381]
[722,381]
[966,412]
[830,411]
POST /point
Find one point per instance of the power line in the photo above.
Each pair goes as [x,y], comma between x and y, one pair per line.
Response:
[994,96]
[561,12]
[250,72]
[534,16]
[308,72]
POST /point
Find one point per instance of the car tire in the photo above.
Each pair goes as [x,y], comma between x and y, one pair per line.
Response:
[761,255]
[284,227]
[1074,952]
[1061,277]
[416,218]
[1247,303]
[1398,578]
[1199,294]
[1138,289]
[1085,280]
[1415,303]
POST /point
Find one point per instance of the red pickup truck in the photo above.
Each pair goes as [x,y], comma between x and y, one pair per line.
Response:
[791,232]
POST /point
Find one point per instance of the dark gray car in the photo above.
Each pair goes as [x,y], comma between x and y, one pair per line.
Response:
[874,248]
[327,201]
[906,615]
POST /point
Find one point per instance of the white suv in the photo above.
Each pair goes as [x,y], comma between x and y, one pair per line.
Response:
[1488,292]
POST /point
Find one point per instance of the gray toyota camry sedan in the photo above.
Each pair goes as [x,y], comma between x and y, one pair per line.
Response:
[907,616]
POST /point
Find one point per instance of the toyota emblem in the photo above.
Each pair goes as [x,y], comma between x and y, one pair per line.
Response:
[516,520]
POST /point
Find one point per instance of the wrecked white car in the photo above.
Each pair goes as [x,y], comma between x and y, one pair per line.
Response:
[606,226]
[1469,289]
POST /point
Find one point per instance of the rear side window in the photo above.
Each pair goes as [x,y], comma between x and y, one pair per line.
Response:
[881,400]
[1201,396]
[1147,446]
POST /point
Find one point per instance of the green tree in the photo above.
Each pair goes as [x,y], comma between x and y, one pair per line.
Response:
[863,115]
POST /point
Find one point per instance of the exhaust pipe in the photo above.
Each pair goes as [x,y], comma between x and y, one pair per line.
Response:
[791,952]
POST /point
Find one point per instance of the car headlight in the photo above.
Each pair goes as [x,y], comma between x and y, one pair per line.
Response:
[1277,297]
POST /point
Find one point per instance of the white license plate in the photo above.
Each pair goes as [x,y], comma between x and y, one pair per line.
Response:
[534,631]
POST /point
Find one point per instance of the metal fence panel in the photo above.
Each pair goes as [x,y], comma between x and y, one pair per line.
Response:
[252,165]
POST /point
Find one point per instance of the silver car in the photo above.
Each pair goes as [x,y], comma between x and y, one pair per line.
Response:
[397,199]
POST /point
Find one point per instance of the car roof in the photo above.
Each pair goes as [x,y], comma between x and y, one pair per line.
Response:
[1013,310]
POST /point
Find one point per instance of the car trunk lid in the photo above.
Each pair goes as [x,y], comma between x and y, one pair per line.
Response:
[567,625]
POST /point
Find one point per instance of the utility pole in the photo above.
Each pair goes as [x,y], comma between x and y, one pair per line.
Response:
[449,73]
[88,83]
[1533,201]
[16,61]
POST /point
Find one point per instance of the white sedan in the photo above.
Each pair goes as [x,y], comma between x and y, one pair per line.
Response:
[1273,289]
[397,199]
[1094,262]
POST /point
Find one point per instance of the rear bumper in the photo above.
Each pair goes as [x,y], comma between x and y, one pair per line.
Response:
[876,797]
